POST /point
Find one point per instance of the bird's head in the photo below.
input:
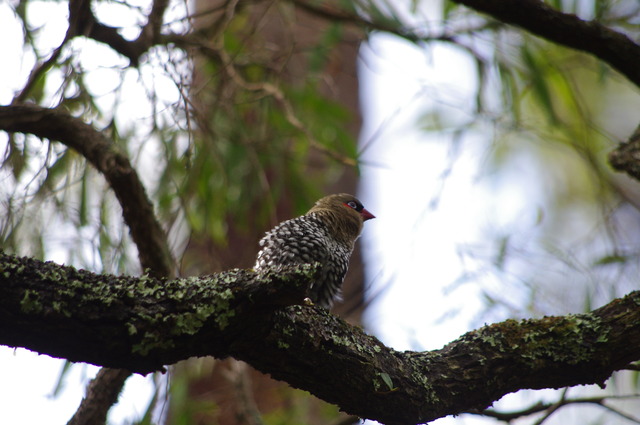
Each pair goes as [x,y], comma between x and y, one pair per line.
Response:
[344,214]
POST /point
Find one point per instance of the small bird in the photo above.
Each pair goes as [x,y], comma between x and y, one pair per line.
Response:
[326,234]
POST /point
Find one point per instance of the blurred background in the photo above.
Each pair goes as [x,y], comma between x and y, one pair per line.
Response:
[480,148]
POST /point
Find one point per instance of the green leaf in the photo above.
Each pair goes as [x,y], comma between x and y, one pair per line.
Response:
[83,210]
[611,259]
[537,72]
[387,380]
[59,385]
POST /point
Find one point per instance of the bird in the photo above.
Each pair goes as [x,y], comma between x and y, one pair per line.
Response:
[326,234]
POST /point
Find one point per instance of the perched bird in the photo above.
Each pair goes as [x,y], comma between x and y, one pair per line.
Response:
[326,234]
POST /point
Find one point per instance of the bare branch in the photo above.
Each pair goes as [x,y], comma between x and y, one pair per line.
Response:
[550,408]
[103,391]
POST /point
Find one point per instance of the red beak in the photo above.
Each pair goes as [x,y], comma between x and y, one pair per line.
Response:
[366,215]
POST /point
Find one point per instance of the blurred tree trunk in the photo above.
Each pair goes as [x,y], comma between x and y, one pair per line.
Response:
[284,37]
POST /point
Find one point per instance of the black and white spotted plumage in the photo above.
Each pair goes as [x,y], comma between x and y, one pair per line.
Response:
[326,235]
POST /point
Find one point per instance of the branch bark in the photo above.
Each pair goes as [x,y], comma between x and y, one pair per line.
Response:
[141,324]
[626,157]
[534,16]
[83,22]
[137,211]
[106,157]
[102,393]
[540,19]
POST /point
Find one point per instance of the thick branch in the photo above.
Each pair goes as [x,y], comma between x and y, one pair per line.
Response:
[134,323]
[100,151]
[535,16]
[141,324]
[540,19]
[83,22]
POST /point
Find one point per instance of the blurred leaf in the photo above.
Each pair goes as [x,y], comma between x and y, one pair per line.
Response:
[184,406]
[588,303]
[509,91]
[324,52]
[557,4]
[635,378]
[432,120]
[36,94]
[59,385]
[611,259]
[537,71]
[61,168]
[501,255]
[147,417]
[448,7]
[83,210]
[17,158]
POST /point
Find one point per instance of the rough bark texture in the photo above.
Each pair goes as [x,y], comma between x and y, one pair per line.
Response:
[141,324]
[103,392]
[626,157]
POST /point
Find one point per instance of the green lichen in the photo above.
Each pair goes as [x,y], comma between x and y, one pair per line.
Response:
[377,385]
[151,341]
[222,308]
[30,303]
[131,329]
[569,339]
[419,376]
[199,303]
[341,340]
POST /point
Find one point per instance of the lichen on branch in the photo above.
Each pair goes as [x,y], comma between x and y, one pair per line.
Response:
[143,323]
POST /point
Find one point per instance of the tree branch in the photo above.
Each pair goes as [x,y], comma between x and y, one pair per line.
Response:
[534,16]
[550,407]
[83,22]
[626,157]
[565,29]
[137,211]
[141,324]
[134,323]
[102,393]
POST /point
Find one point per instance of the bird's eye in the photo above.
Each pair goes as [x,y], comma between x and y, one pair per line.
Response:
[353,205]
